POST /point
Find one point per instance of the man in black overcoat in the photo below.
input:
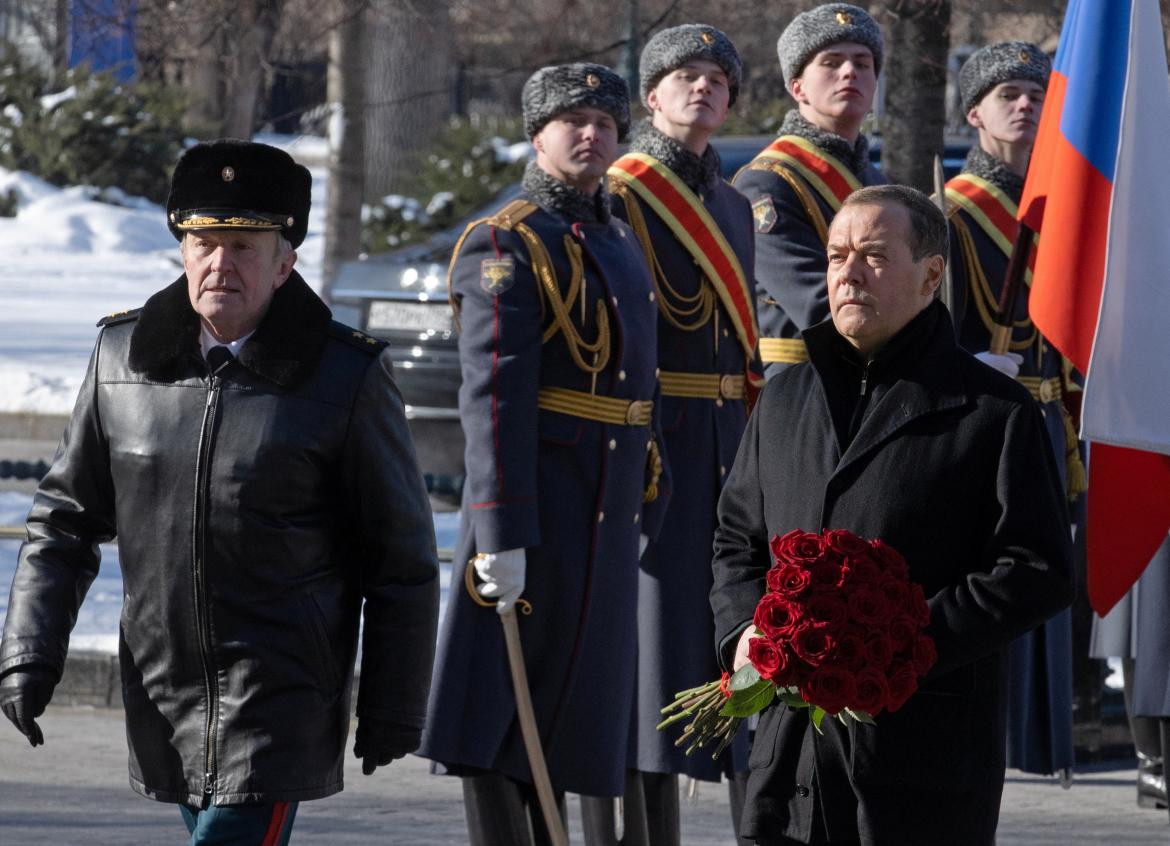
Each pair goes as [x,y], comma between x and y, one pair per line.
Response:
[892,431]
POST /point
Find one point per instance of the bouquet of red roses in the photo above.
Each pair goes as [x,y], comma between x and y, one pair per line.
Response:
[839,631]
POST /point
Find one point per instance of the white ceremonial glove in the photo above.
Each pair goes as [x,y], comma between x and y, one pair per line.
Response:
[502,574]
[1008,364]
[643,542]
[741,648]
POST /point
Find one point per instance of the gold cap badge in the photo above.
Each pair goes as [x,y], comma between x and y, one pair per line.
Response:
[592,80]
[228,173]
[288,221]
[708,38]
[1025,57]
[844,18]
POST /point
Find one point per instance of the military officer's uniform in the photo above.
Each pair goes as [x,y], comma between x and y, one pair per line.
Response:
[795,186]
[696,232]
[557,348]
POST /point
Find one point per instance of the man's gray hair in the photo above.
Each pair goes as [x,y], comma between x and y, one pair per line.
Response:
[928,227]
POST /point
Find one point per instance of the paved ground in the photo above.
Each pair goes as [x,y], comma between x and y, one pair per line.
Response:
[73,791]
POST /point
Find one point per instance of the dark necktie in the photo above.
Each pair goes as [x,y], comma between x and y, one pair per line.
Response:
[217,357]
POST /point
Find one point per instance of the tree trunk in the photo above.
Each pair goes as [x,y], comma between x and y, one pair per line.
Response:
[254,28]
[917,40]
[409,86]
[346,96]
[203,79]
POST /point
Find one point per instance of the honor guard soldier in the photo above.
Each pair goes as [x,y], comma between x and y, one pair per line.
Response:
[253,459]
[557,345]
[696,233]
[830,57]
[1002,90]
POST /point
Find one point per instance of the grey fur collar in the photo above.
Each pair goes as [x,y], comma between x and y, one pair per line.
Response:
[853,156]
[551,194]
[983,164]
[699,173]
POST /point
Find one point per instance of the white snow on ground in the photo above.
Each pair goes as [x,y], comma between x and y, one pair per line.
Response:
[68,260]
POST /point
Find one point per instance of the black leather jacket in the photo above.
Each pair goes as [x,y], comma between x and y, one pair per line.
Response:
[255,509]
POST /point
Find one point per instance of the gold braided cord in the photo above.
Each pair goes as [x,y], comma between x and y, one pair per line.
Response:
[505,218]
[986,303]
[803,193]
[654,471]
[701,304]
[562,320]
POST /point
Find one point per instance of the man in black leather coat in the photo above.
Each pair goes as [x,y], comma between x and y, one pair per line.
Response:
[252,458]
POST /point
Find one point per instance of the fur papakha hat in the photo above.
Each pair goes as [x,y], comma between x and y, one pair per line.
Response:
[814,30]
[670,49]
[559,88]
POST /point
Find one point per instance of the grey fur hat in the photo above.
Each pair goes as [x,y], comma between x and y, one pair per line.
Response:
[996,63]
[814,30]
[558,88]
[672,48]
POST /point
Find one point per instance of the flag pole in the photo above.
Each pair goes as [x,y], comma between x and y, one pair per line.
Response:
[1013,282]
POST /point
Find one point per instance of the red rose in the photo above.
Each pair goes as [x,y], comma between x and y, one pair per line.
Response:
[889,559]
[813,643]
[789,580]
[827,575]
[879,651]
[869,607]
[797,547]
[897,592]
[777,617]
[923,654]
[850,651]
[846,544]
[766,657]
[916,605]
[903,681]
[902,630]
[873,691]
[862,570]
[832,688]
[725,684]
[827,608]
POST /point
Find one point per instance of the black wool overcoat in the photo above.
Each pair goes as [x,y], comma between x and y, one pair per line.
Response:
[950,465]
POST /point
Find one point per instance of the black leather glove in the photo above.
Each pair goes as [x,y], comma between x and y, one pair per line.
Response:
[24,693]
[379,742]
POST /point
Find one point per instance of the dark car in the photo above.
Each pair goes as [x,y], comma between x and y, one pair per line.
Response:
[401,297]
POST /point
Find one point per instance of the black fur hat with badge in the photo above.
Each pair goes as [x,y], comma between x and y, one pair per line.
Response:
[231,184]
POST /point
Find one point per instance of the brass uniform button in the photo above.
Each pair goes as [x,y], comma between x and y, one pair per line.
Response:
[637,517]
[600,516]
[621,375]
[612,443]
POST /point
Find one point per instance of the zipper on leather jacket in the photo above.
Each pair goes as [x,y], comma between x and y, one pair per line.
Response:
[202,622]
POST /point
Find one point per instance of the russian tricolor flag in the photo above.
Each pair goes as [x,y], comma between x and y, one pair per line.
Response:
[1098,191]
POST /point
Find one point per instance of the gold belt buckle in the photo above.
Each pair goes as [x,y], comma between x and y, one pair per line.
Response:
[639,412]
[727,387]
[1049,390]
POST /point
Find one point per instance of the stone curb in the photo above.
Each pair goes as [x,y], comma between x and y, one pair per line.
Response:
[32,426]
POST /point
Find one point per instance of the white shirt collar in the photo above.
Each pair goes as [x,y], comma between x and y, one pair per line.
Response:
[207,341]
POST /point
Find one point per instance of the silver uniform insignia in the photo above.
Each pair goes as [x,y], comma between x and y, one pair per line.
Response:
[497,275]
[764,212]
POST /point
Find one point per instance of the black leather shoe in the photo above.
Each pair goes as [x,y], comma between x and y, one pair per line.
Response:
[1151,782]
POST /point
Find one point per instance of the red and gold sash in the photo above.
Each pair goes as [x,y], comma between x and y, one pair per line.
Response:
[992,210]
[700,235]
[824,172]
